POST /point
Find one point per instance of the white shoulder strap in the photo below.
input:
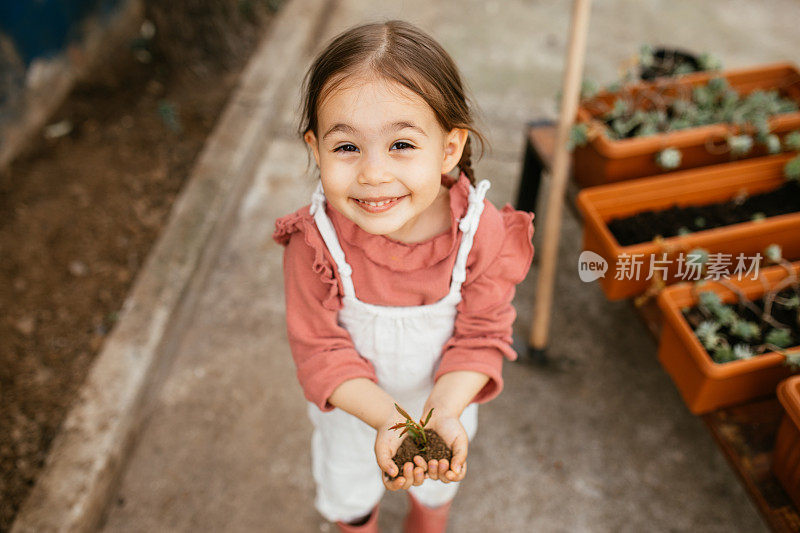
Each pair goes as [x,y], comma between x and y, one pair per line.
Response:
[331,241]
[468,226]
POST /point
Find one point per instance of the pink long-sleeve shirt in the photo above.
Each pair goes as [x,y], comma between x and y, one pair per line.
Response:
[389,272]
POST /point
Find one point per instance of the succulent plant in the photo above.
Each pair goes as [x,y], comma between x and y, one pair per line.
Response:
[713,103]
[669,158]
[792,169]
[780,337]
[792,140]
[740,144]
[746,330]
[708,333]
[578,136]
[743,351]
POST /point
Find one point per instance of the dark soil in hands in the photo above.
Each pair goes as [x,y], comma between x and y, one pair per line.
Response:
[645,226]
[436,449]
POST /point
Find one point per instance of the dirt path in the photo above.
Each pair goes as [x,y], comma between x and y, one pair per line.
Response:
[80,211]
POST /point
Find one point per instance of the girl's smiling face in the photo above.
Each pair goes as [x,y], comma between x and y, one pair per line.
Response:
[381,153]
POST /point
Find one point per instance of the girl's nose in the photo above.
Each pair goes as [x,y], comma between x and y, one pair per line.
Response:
[373,172]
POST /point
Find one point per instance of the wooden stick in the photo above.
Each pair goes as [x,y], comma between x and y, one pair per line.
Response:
[555,198]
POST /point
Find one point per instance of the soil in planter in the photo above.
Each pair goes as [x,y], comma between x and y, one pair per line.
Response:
[645,226]
[789,317]
[437,449]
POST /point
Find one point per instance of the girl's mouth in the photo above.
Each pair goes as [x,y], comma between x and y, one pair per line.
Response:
[377,205]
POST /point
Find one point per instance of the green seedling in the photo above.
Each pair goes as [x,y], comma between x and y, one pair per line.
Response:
[416,430]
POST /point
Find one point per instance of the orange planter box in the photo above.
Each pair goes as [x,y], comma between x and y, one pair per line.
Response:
[704,384]
[786,456]
[604,160]
[700,186]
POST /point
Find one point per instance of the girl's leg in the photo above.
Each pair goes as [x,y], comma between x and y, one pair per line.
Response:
[424,519]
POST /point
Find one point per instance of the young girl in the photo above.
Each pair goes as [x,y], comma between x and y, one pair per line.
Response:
[399,279]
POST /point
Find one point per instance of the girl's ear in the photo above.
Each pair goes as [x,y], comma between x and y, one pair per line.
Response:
[454,143]
[311,140]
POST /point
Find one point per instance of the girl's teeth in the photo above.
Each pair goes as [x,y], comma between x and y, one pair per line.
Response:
[376,204]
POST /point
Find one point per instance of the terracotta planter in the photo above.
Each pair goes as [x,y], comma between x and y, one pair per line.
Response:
[704,384]
[692,187]
[604,160]
[786,456]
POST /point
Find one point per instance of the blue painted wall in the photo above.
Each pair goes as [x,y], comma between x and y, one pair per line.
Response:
[43,28]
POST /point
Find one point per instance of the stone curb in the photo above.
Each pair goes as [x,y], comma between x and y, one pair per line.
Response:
[87,457]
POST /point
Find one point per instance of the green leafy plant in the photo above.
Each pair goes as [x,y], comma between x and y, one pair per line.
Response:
[416,430]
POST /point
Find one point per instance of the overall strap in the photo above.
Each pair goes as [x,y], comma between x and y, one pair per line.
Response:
[468,226]
[331,241]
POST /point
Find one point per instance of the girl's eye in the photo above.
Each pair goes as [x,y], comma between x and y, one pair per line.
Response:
[402,145]
[346,148]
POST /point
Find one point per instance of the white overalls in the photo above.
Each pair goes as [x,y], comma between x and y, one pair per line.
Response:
[404,344]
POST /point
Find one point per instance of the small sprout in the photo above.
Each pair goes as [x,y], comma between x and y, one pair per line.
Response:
[578,136]
[792,141]
[710,300]
[718,85]
[773,253]
[683,68]
[708,333]
[703,95]
[743,351]
[709,62]
[725,315]
[621,108]
[792,169]
[773,143]
[740,144]
[746,330]
[415,429]
[758,217]
[780,337]
[683,230]
[793,359]
[669,158]
[722,354]
[700,222]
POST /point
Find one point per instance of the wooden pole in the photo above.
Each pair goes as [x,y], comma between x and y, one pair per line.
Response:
[555,198]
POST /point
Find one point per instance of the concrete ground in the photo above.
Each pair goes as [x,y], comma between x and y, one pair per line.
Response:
[602,444]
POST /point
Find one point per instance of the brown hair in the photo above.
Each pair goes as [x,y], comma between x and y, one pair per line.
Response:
[401,52]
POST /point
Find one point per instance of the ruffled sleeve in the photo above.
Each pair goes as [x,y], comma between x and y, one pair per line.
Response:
[301,222]
[482,335]
[322,350]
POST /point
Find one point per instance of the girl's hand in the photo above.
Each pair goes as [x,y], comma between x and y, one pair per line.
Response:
[386,445]
[449,427]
